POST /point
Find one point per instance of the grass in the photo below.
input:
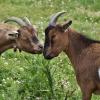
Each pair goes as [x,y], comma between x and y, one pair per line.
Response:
[30,77]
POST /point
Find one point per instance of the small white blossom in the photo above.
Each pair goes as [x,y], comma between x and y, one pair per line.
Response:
[18,82]
[21,69]
[6,63]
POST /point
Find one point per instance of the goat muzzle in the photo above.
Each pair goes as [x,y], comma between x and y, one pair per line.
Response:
[47,55]
[38,49]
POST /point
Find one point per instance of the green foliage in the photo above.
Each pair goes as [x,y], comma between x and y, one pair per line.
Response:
[31,77]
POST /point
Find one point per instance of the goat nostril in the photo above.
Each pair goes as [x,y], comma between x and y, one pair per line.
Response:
[41,46]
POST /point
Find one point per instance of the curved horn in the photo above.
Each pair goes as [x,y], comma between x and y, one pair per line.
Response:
[55,17]
[17,20]
[26,20]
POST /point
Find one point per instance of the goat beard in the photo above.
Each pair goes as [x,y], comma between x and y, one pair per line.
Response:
[15,49]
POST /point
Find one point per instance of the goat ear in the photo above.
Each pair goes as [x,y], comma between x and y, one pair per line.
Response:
[13,34]
[67,24]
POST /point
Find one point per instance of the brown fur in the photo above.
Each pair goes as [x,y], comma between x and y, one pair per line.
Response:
[84,54]
[24,41]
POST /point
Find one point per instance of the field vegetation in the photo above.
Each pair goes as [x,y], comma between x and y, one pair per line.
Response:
[25,76]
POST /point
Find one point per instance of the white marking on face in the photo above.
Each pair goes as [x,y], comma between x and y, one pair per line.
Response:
[99,72]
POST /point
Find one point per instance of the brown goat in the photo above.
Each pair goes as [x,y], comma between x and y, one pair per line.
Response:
[84,54]
[23,38]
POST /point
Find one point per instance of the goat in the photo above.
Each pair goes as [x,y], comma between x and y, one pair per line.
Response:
[23,38]
[83,52]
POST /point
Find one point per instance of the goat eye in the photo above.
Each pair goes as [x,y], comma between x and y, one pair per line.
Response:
[35,39]
[52,39]
[53,36]
[18,31]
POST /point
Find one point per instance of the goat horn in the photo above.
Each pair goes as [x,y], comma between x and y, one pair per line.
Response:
[17,20]
[55,17]
[26,20]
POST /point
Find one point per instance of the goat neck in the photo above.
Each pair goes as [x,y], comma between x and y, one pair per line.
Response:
[5,45]
[76,46]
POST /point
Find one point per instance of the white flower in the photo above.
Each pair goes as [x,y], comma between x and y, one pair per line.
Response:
[3,58]
[21,69]
[18,82]
[7,78]
[38,98]
[15,59]
[0,84]
[6,63]
[3,80]
[3,95]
